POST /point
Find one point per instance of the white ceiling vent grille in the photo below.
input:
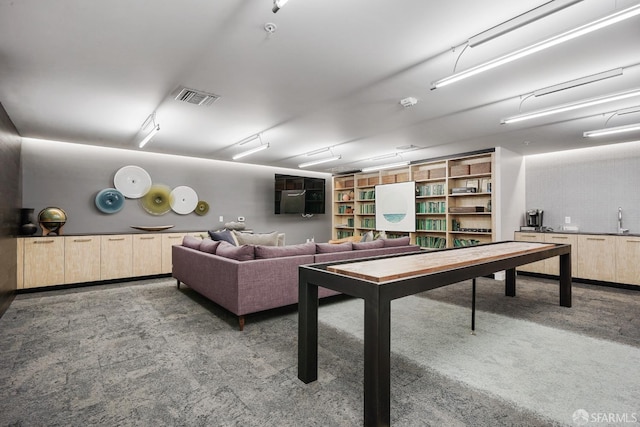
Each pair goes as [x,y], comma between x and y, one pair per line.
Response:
[196,97]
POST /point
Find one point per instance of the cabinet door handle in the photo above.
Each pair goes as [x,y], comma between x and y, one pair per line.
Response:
[113,239]
[81,240]
[529,235]
[43,241]
[559,237]
[174,237]
[595,238]
[147,238]
[633,241]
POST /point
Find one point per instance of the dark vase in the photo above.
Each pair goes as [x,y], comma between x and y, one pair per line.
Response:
[27,227]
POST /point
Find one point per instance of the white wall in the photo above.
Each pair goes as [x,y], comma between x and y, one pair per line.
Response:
[509,192]
[70,175]
[587,185]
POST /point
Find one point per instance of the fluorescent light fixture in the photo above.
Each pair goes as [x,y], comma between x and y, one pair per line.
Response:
[579,82]
[249,139]
[520,21]
[318,151]
[319,161]
[149,136]
[252,151]
[384,156]
[277,4]
[612,131]
[572,106]
[537,47]
[388,166]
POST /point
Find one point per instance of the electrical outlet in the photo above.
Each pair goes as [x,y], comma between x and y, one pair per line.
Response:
[221,218]
[567,220]
[240,219]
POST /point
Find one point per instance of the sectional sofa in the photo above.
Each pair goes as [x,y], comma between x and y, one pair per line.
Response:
[251,278]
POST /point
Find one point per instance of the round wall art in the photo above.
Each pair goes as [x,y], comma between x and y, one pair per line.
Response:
[157,201]
[132,181]
[109,200]
[202,208]
[183,200]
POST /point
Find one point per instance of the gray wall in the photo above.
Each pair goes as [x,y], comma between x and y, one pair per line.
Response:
[70,175]
[10,193]
[587,185]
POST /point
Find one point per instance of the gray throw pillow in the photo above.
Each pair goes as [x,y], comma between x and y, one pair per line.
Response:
[209,246]
[239,253]
[222,236]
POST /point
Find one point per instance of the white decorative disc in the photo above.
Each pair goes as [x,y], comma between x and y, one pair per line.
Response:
[132,181]
[183,200]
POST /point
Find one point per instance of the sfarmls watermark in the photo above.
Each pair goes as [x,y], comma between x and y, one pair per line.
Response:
[582,417]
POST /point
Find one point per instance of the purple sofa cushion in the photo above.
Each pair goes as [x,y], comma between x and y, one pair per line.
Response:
[209,246]
[263,252]
[223,236]
[400,241]
[326,248]
[239,253]
[368,245]
[191,242]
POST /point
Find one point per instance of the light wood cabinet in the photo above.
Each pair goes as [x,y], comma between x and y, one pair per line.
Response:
[597,257]
[552,265]
[534,267]
[147,254]
[168,240]
[20,263]
[116,259]
[81,259]
[43,262]
[627,260]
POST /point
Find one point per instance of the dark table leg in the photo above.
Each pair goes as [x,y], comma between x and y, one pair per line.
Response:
[565,280]
[510,283]
[307,331]
[473,306]
[377,382]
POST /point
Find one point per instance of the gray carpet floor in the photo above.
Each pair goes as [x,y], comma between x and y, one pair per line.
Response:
[147,354]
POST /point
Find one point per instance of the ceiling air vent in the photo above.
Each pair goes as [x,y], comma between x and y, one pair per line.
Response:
[196,97]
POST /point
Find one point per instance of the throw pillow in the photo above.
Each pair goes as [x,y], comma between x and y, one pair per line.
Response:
[191,242]
[400,241]
[264,252]
[209,246]
[264,239]
[326,248]
[223,236]
[367,237]
[239,253]
[374,244]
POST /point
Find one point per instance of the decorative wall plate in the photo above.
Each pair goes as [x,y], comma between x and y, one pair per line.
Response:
[157,201]
[152,227]
[202,208]
[109,200]
[183,200]
[132,181]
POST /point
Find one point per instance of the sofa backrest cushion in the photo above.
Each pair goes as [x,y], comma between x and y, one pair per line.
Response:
[326,248]
[264,239]
[368,245]
[191,242]
[264,252]
[239,253]
[222,236]
[209,246]
[400,241]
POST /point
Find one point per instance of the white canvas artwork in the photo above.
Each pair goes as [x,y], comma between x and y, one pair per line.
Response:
[395,207]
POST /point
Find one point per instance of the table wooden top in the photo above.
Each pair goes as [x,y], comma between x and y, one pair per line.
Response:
[386,269]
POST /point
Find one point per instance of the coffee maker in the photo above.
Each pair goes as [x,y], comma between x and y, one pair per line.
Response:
[533,220]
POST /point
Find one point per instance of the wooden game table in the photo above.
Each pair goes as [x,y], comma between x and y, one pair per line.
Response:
[382,279]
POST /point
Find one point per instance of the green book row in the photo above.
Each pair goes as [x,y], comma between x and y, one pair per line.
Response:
[344,209]
[430,190]
[431,207]
[368,208]
[465,242]
[342,234]
[368,223]
[368,195]
[431,242]
[425,224]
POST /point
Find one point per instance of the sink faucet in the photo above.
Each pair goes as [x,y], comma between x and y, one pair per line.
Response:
[620,229]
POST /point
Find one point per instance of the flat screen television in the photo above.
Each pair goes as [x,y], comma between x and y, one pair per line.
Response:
[298,195]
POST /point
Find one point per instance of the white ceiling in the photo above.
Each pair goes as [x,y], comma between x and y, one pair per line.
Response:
[332,75]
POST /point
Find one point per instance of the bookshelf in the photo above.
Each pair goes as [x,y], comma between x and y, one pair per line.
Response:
[444,217]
